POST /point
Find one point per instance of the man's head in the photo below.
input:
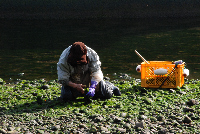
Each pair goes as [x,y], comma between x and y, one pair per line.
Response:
[78,54]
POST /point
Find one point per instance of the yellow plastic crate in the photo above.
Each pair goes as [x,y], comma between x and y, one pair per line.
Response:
[173,78]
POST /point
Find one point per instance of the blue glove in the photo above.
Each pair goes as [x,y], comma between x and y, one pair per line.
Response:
[91,92]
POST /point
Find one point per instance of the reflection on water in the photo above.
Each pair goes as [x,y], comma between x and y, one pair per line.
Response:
[33,47]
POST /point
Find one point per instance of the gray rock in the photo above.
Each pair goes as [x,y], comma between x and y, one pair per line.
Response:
[102,129]
[11,128]
[93,116]
[99,119]
[40,131]
[171,90]
[18,128]
[187,120]
[83,126]
[182,92]
[172,117]
[3,131]
[2,108]
[188,109]
[28,132]
[160,118]
[42,128]
[162,131]
[132,122]
[105,106]
[45,87]
[153,119]
[121,130]
[117,119]
[39,121]
[12,132]
[146,131]
[140,124]
[123,115]
[143,117]
[131,96]
[93,130]
[33,122]
[192,102]
[127,125]
[55,128]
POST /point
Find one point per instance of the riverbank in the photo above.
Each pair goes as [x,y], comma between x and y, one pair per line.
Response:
[33,107]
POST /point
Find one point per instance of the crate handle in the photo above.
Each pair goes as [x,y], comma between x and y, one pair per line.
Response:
[169,75]
[141,57]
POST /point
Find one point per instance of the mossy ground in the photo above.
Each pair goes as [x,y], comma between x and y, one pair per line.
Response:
[159,110]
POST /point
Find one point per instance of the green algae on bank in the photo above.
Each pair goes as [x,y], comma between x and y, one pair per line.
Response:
[33,106]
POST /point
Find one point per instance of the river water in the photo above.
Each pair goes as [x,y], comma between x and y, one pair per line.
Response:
[30,49]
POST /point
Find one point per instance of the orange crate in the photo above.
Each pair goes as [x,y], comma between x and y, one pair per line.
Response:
[173,78]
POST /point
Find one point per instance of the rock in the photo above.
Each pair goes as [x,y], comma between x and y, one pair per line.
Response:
[93,130]
[117,119]
[27,110]
[99,119]
[171,90]
[55,128]
[123,115]
[11,128]
[28,132]
[45,87]
[146,131]
[188,109]
[143,117]
[40,131]
[34,94]
[172,117]
[131,96]
[83,126]
[12,132]
[140,124]
[192,102]
[33,122]
[18,128]
[132,122]
[106,78]
[39,121]
[148,101]
[42,128]
[162,131]
[160,118]
[93,116]
[127,125]
[195,118]
[105,106]
[3,131]
[161,123]
[182,92]
[103,129]
[39,100]
[121,130]
[187,120]
[2,108]
[153,119]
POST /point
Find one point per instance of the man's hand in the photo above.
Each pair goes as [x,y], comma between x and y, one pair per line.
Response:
[78,87]
[91,92]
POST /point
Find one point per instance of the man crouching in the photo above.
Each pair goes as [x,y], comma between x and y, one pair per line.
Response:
[79,67]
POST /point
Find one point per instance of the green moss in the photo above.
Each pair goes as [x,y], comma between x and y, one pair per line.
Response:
[138,103]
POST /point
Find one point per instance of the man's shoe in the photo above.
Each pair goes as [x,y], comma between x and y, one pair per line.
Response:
[116,91]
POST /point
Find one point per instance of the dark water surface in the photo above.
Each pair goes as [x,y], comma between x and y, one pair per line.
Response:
[33,47]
